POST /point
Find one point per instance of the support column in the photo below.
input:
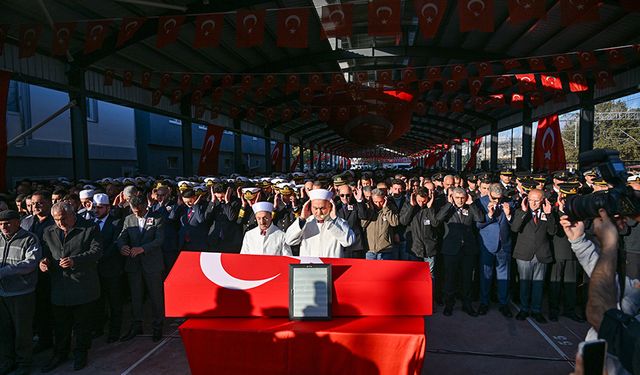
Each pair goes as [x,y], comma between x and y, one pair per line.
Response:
[447,159]
[311,161]
[494,146]
[287,152]
[187,141]
[237,147]
[267,151]
[459,157]
[527,133]
[79,131]
[301,163]
[587,119]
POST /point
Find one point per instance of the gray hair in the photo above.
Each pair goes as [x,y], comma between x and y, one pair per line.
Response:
[367,188]
[496,189]
[378,193]
[64,208]
[129,192]
[459,190]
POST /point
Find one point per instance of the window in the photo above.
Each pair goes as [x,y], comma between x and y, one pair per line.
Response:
[202,127]
[175,121]
[92,110]
[172,162]
[13,99]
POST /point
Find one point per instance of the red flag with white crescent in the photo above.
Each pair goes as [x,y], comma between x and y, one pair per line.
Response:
[208,30]
[292,28]
[476,15]
[276,157]
[430,13]
[471,164]
[5,77]
[337,20]
[128,28]
[384,18]
[575,11]
[168,30]
[549,149]
[29,37]
[61,36]
[208,164]
[249,28]
[294,163]
[578,82]
[524,10]
[551,82]
[95,34]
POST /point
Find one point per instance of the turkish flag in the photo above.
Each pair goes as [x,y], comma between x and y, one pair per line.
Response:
[29,37]
[476,15]
[176,96]
[524,10]
[127,78]
[61,37]
[616,57]
[434,73]
[362,77]
[95,34]
[246,81]
[441,106]
[511,64]
[164,81]
[337,21]
[208,30]
[459,72]
[260,93]
[227,80]
[108,78]
[484,69]
[517,100]
[239,93]
[293,28]
[294,163]
[496,100]
[196,97]
[251,113]
[269,82]
[199,112]
[185,82]
[421,108]
[156,95]
[457,105]
[207,81]
[234,112]
[578,82]
[276,157]
[473,156]
[551,82]
[338,81]
[501,82]
[217,93]
[604,79]
[249,28]
[4,29]
[306,95]
[208,164]
[526,82]
[145,81]
[537,63]
[588,60]
[292,85]
[270,114]
[384,76]
[475,84]
[549,150]
[430,13]
[408,75]
[168,30]
[574,11]
[450,86]
[287,114]
[425,85]
[5,77]
[128,29]
[315,82]
[562,62]
[479,103]
[384,18]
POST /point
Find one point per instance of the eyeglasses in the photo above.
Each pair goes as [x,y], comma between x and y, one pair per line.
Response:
[345,195]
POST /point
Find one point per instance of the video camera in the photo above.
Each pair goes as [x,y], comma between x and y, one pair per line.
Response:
[620,200]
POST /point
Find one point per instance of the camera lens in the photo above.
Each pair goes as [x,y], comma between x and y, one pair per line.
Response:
[581,207]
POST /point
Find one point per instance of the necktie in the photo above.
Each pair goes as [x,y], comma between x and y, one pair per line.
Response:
[263,232]
[535,218]
[99,222]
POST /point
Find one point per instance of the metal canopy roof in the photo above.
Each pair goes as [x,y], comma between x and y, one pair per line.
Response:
[616,27]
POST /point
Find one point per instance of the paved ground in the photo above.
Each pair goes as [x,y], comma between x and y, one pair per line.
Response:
[455,345]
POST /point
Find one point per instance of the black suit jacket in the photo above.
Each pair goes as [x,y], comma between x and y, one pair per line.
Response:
[533,239]
[150,239]
[459,229]
[352,214]
[112,262]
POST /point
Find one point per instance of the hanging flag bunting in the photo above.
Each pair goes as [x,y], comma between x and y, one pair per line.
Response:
[216,94]
[615,57]
[408,75]
[206,82]
[329,93]
[249,28]
[525,10]
[176,96]
[295,162]
[459,72]
[441,106]
[450,86]
[29,37]
[479,103]
[270,114]
[511,64]
[425,85]
[562,62]
[239,93]
[145,80]
[127,78]
[501,82]
[208,164]
[61,37]
[246,81]
[276,157]
[338,81]
[293,27]
[215,112]
[168,30]
[526,82]
[234,112]
[604,79]
[128,29]
[315,82]
[185,82]
[324,114]
[251,113]
[164,81]
[156,95]
[476,15]
[287,114]
[577,11]
[578,82]
[337,20]
[551,82]
[208,30]
[5,78]
[473,156]
[384,18]
[475,84]
[362,77]
[588,60]
[434,73]
[384,76]
[430,13]
[305,113]
[196,97]
[199,112]
[227,80]
[4,29]
[517,100]
[108,78]
[457,105]
[421,108]
[496,100]
[95,33]
[537,63]
[292,84]
[343,113]
[549,149]
[484,69]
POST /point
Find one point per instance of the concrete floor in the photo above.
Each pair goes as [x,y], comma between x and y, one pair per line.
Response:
[491,345]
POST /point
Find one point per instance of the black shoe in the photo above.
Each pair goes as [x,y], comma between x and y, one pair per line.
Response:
[133,332]
[41,347]
[7,368]
[157,335]
[575,317]
[470,310]
[522,315]
[54,362]
[448,311]
[553,316]
[506,311]
[80,361]
[539,318]
[483,309]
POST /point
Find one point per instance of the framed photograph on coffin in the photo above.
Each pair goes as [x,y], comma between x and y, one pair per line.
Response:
[310,291]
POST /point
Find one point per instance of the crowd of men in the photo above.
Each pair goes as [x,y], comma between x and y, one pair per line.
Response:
[73,252]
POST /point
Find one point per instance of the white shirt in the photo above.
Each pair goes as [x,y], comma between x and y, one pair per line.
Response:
[326,239]
[100,222]
[141,222]
[272,243]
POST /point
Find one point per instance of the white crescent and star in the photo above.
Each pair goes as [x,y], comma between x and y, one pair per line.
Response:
[61,38]
[208,147]
[207,23]
[96,31]
[172,22]
[250,17]
[427,6]
[386,9]
[337,11]
[131,26]
[293,17]
[472,2]
[548,133]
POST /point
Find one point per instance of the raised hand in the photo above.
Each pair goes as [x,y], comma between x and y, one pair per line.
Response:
[432,198]
[277,201]
[524,205]
[333,214]
[227,195]
[357,194]
[412,199]
[571,229]
[306,210]
[546,207]
[506,208]
[491,208]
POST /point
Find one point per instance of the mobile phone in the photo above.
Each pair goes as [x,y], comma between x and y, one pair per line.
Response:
[593,356]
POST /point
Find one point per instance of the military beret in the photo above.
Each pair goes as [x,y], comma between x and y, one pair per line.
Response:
[339,180]
[570,188]
[561,175]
